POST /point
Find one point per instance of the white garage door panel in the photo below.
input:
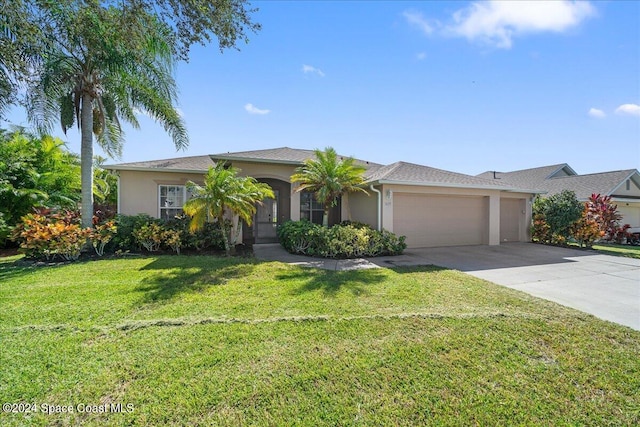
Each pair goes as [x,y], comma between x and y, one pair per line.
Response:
[429,220]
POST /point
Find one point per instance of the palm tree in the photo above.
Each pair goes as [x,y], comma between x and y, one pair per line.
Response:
[223,192]
[329,178]
[104,64]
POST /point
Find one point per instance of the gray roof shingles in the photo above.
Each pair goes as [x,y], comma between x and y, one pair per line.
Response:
[586,185]
[281,155]
[410,173]
[192,163]
[583,185]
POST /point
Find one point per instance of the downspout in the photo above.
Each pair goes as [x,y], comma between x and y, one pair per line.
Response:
[379,206]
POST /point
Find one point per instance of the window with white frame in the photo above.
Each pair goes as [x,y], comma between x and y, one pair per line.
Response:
[171,199]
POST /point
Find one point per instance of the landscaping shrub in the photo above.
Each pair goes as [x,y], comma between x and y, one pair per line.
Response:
[561,217]
[555,216]
[126,225]
[52,236]
[102,234]
[142,231]
[345,240]
[149,236]
[586,230]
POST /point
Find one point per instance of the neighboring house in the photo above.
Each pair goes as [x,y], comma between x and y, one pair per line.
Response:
[623,186]
[432,207]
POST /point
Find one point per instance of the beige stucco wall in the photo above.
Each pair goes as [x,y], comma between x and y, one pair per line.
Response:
[363,207]
[265,170]
[138,191]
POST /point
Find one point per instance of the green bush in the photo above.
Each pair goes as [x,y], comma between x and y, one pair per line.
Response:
[157,234]
[555,217]
[345,240]
[51,236]
[126,225]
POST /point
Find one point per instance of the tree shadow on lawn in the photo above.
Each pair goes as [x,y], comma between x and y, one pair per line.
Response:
[178,275]
[330,281]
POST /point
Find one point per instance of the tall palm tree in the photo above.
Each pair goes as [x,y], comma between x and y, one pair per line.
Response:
[329,178]
[104,64]
[224,191]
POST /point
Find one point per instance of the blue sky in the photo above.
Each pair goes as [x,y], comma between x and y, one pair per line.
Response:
[462,86]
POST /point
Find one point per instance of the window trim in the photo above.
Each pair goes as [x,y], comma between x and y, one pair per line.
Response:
[184,198]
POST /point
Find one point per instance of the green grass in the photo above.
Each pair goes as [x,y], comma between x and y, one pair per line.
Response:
[210,341]
[619,250]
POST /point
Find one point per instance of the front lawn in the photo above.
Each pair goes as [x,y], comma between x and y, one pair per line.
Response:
[619,250]
[211,341]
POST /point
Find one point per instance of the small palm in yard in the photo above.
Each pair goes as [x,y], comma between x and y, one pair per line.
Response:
[224,191]
[329,178]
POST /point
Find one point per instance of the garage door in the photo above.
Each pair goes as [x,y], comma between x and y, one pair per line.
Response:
[512,220]
[630,214]
[430,220]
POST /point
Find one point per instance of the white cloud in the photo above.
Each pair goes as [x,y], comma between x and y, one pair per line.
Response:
[421,56]
[417,20]
[310,69]
[598,114]
[630,109]
[251,109]
[496,23]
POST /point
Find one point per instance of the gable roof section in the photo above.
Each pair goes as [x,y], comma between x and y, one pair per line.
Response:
[553,179]
[282,155]
[412,174]
[193,164]
[585,185]
[530,177]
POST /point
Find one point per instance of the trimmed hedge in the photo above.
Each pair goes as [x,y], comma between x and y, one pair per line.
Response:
[345,240]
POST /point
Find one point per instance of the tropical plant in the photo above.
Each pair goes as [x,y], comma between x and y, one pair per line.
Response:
[605,214]
[35,172]
[103,65]
[559,213]
[49,235]
[26,36]
[586,230]
[224,192]
[329,178]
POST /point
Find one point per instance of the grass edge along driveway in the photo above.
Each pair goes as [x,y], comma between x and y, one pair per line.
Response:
[212,341]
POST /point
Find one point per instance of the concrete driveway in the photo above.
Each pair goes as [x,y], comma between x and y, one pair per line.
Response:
[603,285]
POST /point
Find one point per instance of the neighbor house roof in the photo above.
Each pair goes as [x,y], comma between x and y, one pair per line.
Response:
[555,178]
[195,164]
[530,177]
[413,174]
[282,155]
[585,185]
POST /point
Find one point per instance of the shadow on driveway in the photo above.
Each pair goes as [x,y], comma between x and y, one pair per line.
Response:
[474,258]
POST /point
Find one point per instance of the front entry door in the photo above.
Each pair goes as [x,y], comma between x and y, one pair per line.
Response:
[266,221]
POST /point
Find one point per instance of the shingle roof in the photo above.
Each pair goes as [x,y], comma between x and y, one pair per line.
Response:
[180,164]
[529,178]
[284,155]
[543,178]
[412,174]
[586,185]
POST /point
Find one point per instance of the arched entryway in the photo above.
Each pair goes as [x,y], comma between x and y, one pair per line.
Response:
[270,214]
